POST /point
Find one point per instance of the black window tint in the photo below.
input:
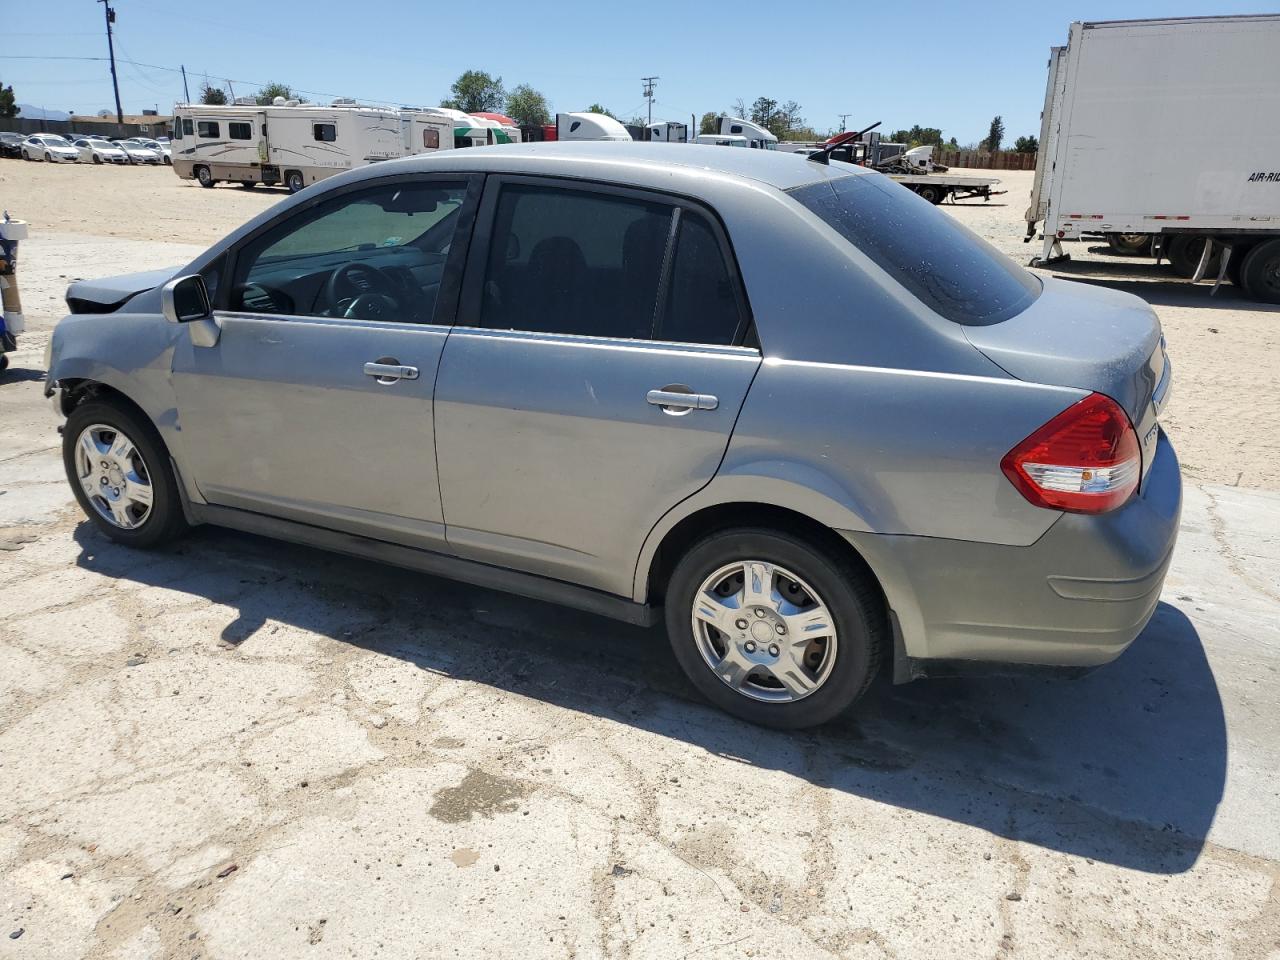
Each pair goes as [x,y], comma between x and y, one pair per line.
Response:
[574,261]
[240,131]
[187,127]
[324,132]
[702,300]
[951,270]
[375,254]
[209,129]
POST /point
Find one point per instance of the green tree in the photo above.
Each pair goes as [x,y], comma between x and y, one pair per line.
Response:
[710,123]
[527,107]
[598,108]
[1026,145]
[995,136]
[477,92]
[8,107]
[215,96]
[267,95]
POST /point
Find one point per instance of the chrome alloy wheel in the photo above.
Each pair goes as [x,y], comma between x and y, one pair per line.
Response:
[114,476]
[764,631]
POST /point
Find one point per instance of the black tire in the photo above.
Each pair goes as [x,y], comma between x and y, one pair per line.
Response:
[248,184]
[931,192]
[165,521]
[204,177]
[1130,244]
[48,157]
[848,592]
[1260,272]
[168,162]
[4,363]
[1184,256]
[293,180]
[97,159]
[1238,252]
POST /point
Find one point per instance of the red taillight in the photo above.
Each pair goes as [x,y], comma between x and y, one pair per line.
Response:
[1084,460]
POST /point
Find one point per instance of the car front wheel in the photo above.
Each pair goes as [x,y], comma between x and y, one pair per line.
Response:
[773,630]
[120,474]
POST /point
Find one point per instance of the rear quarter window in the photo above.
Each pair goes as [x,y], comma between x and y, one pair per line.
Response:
[941,263]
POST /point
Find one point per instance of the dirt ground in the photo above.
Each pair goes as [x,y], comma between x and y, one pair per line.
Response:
[233,746]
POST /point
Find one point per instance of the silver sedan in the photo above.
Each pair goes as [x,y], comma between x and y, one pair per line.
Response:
[785,406]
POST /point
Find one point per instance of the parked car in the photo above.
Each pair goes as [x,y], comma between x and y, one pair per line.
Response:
[792,405]
[50,147]
[100,150]
[166,154]
[138,152]
[11,145]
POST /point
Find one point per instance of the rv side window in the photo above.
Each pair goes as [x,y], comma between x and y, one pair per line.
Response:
[188,128]
[209,129]
[177,130]
[240,131]
[324,132]
[431,139]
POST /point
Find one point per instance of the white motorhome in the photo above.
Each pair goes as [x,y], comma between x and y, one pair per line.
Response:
[666,131]
[756,135]
[426,131]
[289,143]
[1160,135]
[589,126]
[472,131]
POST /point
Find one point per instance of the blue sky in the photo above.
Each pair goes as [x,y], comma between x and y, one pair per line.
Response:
[945,64]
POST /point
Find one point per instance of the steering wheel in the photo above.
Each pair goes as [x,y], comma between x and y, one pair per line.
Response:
[357,282]
[373,306]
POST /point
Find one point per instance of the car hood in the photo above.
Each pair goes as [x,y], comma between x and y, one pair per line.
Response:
[109,293]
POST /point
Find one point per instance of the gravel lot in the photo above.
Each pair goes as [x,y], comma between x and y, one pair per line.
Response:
[236,743]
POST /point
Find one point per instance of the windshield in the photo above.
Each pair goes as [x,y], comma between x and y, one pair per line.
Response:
[948,268]
[54,139]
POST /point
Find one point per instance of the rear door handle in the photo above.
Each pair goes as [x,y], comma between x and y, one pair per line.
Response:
[678,402]
[390,372]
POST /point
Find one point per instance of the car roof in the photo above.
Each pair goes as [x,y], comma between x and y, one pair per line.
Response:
[610,159]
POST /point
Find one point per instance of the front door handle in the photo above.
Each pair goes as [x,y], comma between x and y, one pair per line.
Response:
[388,371]
[678,402]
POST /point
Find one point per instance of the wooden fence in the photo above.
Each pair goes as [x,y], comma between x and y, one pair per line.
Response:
[1002,160]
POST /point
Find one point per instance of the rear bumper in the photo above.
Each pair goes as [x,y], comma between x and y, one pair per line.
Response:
[1077,597]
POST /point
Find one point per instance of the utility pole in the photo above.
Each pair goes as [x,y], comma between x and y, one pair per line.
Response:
[185,92]
[648,93]
[111,51]
[844,121]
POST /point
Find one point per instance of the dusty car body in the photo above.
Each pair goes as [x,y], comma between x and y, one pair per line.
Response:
[833,429]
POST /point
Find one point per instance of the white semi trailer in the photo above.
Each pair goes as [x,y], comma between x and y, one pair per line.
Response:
[1161,135]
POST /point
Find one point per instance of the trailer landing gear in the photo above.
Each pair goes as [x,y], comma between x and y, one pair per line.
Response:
[1053,253]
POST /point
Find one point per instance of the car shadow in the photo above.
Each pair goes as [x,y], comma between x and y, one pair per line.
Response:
[21,375]
[1126,765]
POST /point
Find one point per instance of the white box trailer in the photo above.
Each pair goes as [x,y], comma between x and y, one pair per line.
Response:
[291,145]
[1161,135]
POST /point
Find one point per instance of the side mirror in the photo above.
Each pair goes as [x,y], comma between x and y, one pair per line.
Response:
[185,299]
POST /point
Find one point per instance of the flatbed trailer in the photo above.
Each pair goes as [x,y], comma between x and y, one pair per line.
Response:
[936,187]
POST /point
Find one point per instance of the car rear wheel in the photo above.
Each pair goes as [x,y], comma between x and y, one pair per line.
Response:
[773,630]
[120,474]
[1260,272]
[204,176]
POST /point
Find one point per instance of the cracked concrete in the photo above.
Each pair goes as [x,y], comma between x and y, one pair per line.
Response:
[234,746]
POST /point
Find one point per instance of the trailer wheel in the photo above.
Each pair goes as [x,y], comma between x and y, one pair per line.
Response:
[204,176]
[1238,252]
[1184,256]
[293,180]
[1260,272]
[931,192]
[1130,244]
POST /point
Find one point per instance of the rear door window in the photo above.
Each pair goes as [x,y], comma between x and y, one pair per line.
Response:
[948,268]
[703,302]
[566,260]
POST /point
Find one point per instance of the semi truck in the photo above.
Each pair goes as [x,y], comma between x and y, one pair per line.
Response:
[1161,136]
[756,135]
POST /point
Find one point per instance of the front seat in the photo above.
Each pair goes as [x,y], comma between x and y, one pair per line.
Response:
[557,280]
